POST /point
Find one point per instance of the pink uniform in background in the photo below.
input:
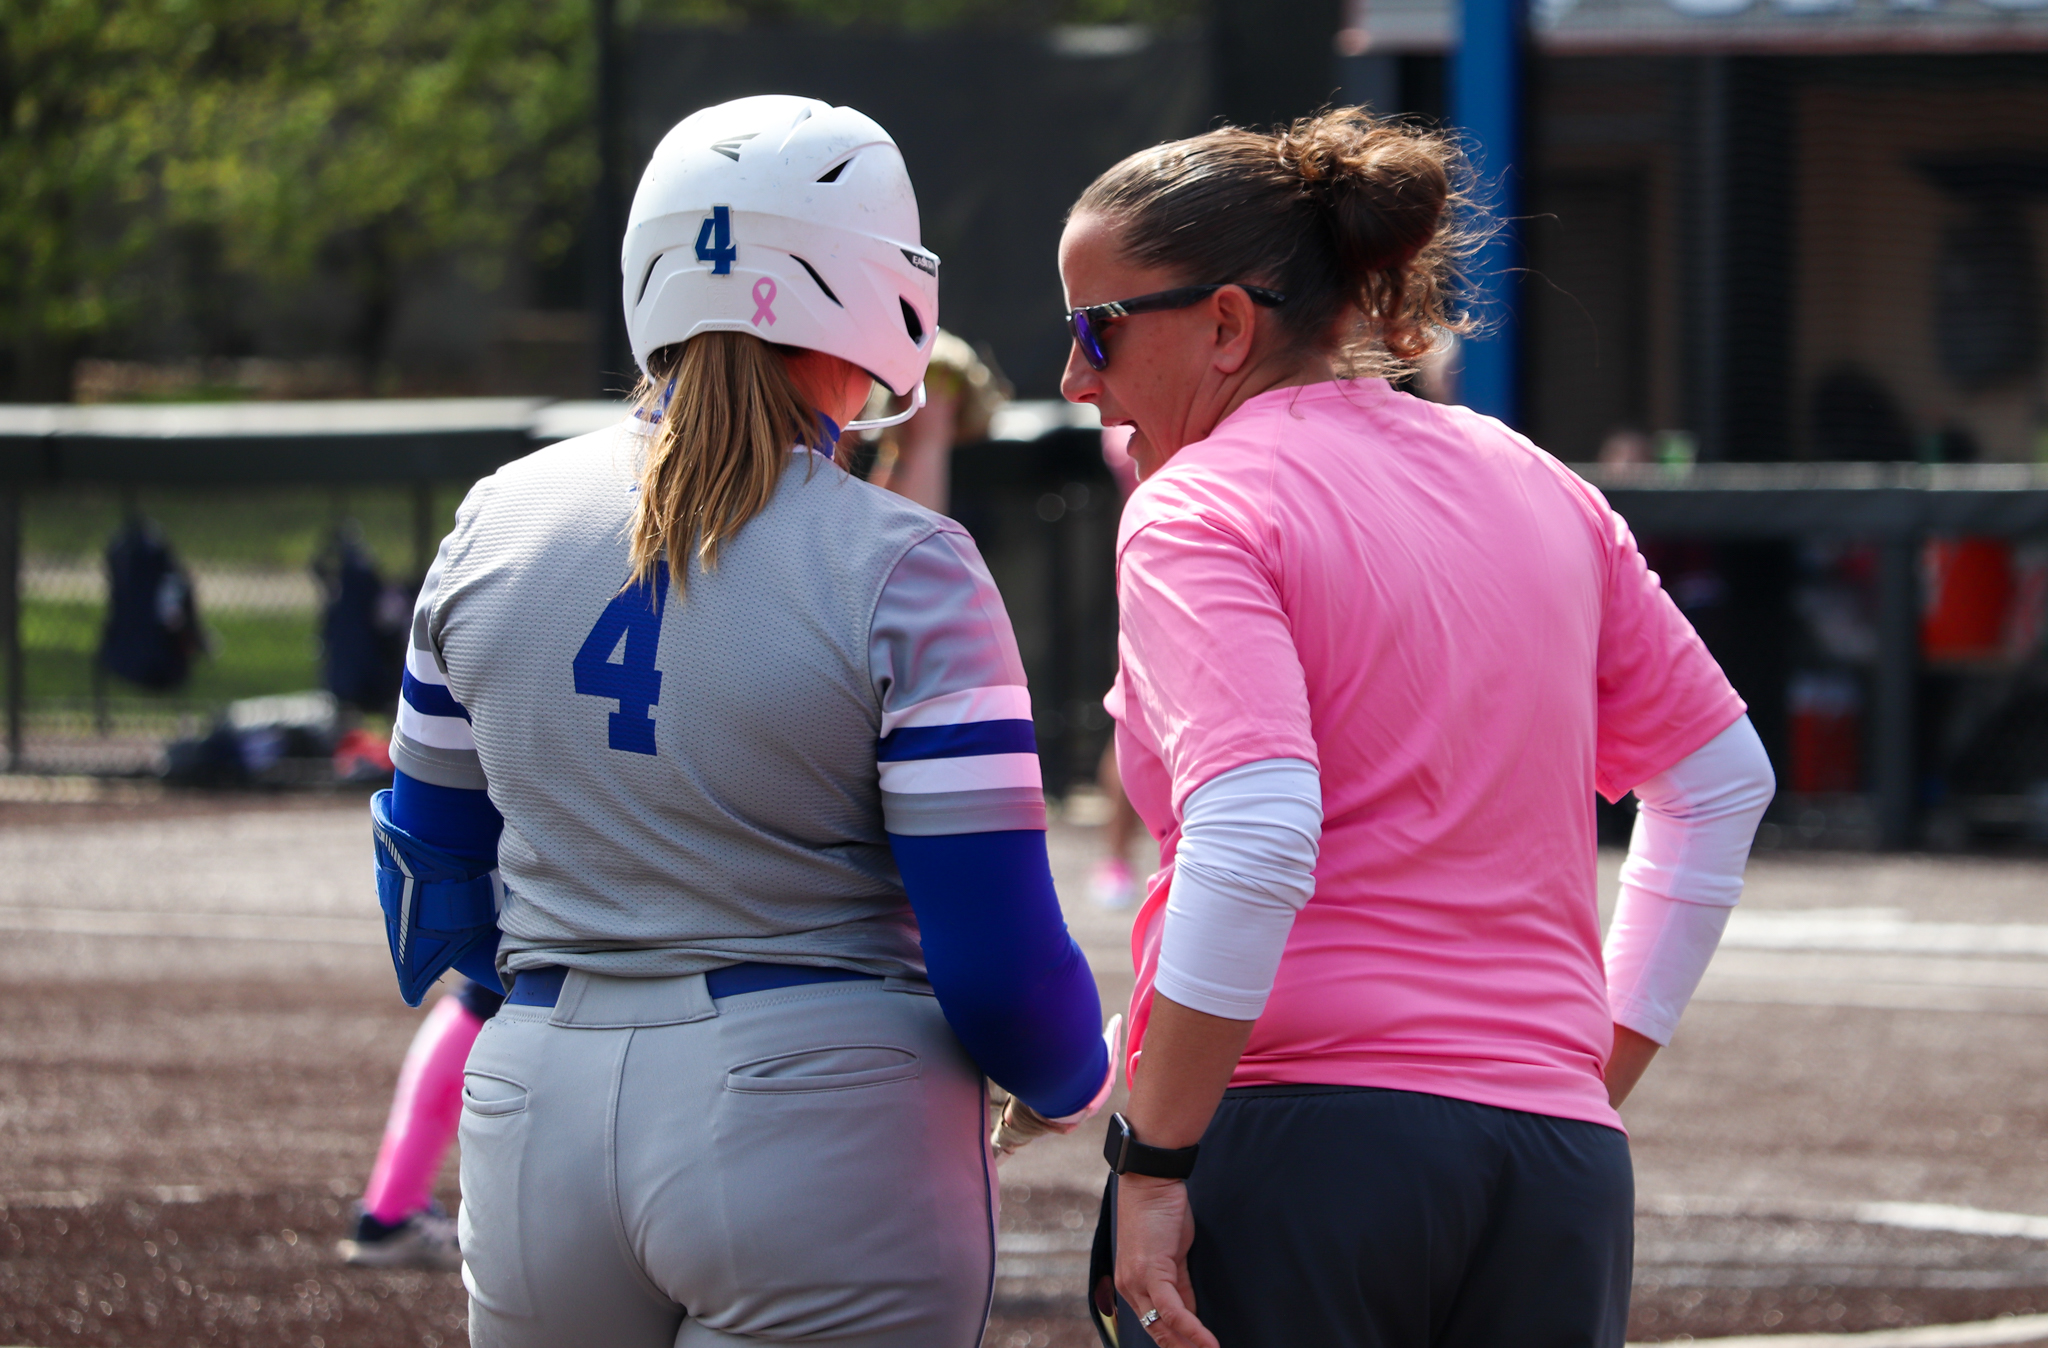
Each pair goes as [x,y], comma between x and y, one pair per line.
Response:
[1404,595]
[425,1110]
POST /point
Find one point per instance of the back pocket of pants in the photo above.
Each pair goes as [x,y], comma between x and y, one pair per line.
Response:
[492,1096]
[493,1134]
[842,1067]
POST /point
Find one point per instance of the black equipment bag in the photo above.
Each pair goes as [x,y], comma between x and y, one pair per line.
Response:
[364,626]
[152,629]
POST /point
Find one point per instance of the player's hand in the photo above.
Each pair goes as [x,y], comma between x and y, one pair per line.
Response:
[1021,1125]
[1154,1228]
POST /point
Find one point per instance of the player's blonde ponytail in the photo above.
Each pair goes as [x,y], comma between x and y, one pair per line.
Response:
[719,450]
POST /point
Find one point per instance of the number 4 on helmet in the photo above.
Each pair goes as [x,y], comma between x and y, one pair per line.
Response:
[790,201]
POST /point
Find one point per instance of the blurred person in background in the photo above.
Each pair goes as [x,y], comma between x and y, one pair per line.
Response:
[398,1223]
[963,392]
[913,460]
[1112,884]
[1376,656]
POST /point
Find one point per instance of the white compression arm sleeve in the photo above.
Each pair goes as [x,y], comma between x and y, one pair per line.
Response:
[1683,875]
[1245,866]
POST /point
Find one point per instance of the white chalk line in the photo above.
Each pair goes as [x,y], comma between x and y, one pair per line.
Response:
[2015,1329]
[179,925]
[1947,1217]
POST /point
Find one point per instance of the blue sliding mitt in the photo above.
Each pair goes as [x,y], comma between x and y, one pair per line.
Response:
[438,907]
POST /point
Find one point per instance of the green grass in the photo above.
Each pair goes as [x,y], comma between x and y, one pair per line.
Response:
[253,654]
[282,527]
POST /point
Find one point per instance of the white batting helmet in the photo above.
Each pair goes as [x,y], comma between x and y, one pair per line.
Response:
[790,219]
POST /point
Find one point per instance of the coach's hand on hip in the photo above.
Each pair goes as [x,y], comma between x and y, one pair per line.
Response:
[1154,1228]
[1187,1060]
[1628,1062]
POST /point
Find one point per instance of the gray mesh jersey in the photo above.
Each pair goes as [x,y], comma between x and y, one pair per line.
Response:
[691,782]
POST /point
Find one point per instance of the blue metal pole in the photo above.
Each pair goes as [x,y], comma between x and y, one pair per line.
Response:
[1486,104]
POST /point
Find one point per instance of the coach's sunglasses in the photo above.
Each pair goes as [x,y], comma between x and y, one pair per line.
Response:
[1088,324]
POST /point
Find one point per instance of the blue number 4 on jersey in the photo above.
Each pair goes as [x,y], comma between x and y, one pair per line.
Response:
[632,681]
[714,241]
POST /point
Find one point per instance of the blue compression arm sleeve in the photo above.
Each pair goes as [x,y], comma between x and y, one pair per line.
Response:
[1012,983]
[458,821]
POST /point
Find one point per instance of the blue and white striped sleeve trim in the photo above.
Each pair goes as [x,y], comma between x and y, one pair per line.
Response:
[432,741]
[956,753]
[962,762]
[427,711]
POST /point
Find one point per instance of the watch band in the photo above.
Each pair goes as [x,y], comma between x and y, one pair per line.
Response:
[1128,1156]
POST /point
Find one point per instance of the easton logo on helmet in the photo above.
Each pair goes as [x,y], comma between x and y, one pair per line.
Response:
[731,148]
[924,262]
[714,241]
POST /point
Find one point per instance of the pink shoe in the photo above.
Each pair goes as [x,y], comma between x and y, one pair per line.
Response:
[1111,884]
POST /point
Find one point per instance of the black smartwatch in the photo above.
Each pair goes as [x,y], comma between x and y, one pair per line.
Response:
[1128,1156]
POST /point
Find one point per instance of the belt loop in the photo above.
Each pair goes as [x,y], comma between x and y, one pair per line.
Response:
[601,1002]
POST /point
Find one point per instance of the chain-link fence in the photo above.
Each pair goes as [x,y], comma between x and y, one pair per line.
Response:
[280,609]
[262,567]
[247,631]
[219,593]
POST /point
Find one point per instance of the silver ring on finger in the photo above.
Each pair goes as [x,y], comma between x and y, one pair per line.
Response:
[1146,1320]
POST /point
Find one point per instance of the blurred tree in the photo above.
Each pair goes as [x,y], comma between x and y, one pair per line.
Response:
[366,136]
[75,147]
[277,139]
[926,13]
[353,136]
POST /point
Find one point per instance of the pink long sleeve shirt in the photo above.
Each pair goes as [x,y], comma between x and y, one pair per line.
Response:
[1462,636]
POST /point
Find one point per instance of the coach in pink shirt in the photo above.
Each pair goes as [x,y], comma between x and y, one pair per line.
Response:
[1376,657]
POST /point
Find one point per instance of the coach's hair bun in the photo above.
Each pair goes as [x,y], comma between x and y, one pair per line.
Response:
[1360,221]
[1383,188]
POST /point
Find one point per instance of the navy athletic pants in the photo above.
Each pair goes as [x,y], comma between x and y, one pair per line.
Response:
[1347,1217]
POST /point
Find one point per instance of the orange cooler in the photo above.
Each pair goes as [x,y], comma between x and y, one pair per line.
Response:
[1968,590]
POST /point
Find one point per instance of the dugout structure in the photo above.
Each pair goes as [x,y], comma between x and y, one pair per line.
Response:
[247,494]
[1044,509]
[1896,508]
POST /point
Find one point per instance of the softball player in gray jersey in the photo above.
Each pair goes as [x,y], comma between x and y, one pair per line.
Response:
[748,744]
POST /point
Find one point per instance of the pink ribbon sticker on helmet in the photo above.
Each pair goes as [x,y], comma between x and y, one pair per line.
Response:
[764,297]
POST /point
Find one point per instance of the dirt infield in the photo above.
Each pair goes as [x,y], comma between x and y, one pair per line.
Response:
[254,1270]
[240,1270]
[200,1038]
[177,1160]
[250,1270]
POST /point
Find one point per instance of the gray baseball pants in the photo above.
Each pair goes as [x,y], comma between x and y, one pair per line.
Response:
[643,1166]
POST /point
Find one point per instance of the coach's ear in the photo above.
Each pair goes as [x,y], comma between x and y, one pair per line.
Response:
[1236,325]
